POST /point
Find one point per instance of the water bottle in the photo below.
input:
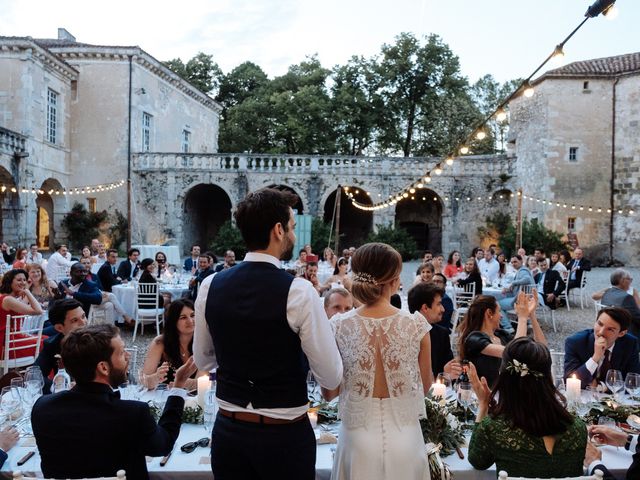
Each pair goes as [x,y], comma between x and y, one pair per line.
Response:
[61,380]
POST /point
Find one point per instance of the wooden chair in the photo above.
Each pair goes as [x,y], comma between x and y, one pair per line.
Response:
[120,475]
[22,341]
[597,475]
[147,307]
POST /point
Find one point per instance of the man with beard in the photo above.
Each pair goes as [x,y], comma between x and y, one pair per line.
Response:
[89,431]
[256,323]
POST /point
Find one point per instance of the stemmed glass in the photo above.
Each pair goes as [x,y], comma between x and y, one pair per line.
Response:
[10,401]
[445,379]
[465,394]
[161,395]
[632,384]
[614,381]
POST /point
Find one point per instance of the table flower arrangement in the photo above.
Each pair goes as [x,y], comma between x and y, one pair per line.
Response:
[192,412]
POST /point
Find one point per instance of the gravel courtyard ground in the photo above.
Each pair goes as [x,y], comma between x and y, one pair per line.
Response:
[568,322]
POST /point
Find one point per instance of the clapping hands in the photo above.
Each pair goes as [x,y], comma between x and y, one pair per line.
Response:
[526,305]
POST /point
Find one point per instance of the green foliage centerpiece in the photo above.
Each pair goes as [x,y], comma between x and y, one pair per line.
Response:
[441,426]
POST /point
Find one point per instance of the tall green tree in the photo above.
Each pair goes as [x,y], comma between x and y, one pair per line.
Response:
[201,71]
[241,83]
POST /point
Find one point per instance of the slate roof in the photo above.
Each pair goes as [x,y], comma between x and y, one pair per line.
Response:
[599,67]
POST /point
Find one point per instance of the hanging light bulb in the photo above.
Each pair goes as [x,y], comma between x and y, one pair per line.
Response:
[420,185]
[501,115]
[427,179]
[405,194]
[481,135]
[611,13]
[464,150]
[449,161]
[412,191]
[558,55]
[438,170]
[528,90]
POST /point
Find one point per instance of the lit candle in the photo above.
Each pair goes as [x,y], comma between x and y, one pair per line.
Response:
[439,389]
[313,417]
[203,385]
[573,389]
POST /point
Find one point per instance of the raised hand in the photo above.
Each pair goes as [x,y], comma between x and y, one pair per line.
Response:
[187,369]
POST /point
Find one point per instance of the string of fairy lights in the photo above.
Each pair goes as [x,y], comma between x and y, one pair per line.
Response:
[63,191]
[479,132]
[414,194]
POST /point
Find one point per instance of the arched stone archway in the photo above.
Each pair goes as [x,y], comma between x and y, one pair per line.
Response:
[298,207]
[421,215]
[206,208]
[9,204]
[355,224]
[50,205]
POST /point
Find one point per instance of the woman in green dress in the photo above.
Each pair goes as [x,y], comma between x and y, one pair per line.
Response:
[523,425]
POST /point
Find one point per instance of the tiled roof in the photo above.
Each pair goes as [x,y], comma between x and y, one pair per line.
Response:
[608,66]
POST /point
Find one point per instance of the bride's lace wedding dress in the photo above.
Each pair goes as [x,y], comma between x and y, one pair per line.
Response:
[380,438]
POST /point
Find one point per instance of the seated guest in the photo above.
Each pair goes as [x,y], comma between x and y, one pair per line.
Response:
[65,315]
[21,258]
[8,438]
[95,246]
[110,303]
[523,425]
[550,283]
[473,276]
[440,281]
[161,261]
[556,264]
[425,274]
[481,340]
[310,272]
[618,296]
[78,287]
[577,266]
[168,352]
[478,254]
[591,352]
[301,261]
[104,433]
[454,265]
[191,263]
[43,289]
[128,269]
[532,265]
[147,267]
[489,266]
[86,253]
[427,257]
[523,277]
[205,269]
[438,263]
[330,257]
[617,438]
[337,300]
[58,264]
[34,256]
[101,256]
[229,261]
[107,272]
[340,276]
[427,299]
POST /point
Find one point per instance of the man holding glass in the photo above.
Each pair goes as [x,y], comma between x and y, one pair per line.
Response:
[591,353]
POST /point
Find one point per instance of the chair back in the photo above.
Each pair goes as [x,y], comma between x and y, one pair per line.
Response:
[120,475]
[22,341]
[597,475]
[465,296]
[147,296]
[599,306]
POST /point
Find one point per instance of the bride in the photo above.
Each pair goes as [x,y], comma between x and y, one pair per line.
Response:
[386,355]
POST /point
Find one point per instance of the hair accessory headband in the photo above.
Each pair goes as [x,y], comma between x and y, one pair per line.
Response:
[365,278]
[514,366]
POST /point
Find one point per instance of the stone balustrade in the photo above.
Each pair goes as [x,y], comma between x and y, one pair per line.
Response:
[11,142]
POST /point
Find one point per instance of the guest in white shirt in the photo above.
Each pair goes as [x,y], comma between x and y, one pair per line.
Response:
[489,266]
[556,264]
[34,256]
[58,264]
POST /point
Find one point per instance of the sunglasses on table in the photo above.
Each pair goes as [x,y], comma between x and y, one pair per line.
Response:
[191,446]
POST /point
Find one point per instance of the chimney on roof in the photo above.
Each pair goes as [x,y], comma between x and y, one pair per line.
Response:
[63,34]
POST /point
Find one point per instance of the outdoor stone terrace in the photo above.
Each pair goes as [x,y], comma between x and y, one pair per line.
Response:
[11,142]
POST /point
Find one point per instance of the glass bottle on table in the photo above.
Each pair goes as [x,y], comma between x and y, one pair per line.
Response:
[464,374]
[61,380]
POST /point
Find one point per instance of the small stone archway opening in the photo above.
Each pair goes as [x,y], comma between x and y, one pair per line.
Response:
[355,224]
[421,215]
[50,207]
[206,208]
[298,207]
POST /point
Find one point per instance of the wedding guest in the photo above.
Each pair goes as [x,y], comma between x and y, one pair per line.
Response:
[191,263]
[549,283]
[617,438]
[21,258]
[590,353]
[478,254]
[473,276]
[330,257]
[78,287]
[9,436]
[481,340]
[440,281]
[147,267]
[437,262]
[340,276]
[380,431]
[454,265]
[86,253]
[205,268]
[43,289]
[104,433]
[564,257]
[337,300]
[577,266]
[523,425]
[618,296]
[489,266]
[523,277]
[532,265]
[65,315]
[16,299]
[523,254]
[427,257]
[169,351]
[310,273]
[110,303]
[101,256]
[107,272]
[556,264]
[129,268]
[161,262]
[7,256]
[229,261]
[301,261]
[256,323]
[95,246]
[425,274]
[34,256]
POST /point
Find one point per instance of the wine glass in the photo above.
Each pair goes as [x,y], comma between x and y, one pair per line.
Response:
[10,401]
[464,397]
[614,381]
[632,384]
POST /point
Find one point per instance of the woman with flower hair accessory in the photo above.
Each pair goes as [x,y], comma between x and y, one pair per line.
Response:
[386,355]
[523,425]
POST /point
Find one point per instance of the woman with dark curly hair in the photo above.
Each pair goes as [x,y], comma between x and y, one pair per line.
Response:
[454,265]
[523,425]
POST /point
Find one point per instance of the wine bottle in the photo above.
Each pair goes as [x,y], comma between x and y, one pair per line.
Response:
[464,375]
[61,380]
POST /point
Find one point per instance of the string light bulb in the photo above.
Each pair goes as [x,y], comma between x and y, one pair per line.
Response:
[528,90]
[464,150]
[481,135]
[611,13]
[438,170]
[501,115]
[449,161]
[558,55]
[427,179]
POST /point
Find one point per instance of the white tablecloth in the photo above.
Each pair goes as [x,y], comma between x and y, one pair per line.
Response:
[171,251]
[126,295]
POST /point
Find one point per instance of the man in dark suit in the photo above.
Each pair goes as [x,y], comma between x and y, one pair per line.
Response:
[616,438]
[204,270]
[590,353]
[549,283]
[78,287]
[440,281]
[229,261]
[427,299]
[65,315]
[89,431]
[128,268]
[191,263]
[577,266]
[107,271]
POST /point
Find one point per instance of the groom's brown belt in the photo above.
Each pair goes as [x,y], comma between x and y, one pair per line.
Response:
[257,418]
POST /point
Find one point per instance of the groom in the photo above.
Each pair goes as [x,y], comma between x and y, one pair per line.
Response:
[256,324]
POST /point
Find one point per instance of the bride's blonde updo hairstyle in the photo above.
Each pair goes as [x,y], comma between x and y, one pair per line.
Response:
[373,265]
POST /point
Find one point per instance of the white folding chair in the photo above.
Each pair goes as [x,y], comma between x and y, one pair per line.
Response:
[97,315]
[120,475]
[565,295]
[597,475]
[599,306]
[148,308]
[582,290]
[464,297]
[22,339]
[557,364]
